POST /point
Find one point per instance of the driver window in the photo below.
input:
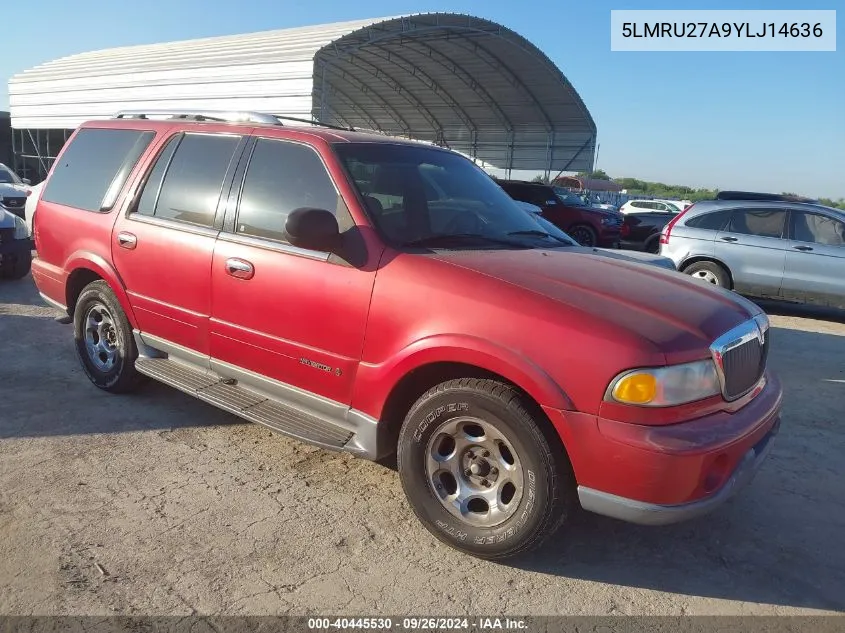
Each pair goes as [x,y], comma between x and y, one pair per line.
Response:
[281,177]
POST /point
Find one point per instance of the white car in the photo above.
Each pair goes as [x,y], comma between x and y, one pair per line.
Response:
[658,206]
[31,202]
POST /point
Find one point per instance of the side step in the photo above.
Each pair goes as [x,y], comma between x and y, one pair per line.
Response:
[245,403]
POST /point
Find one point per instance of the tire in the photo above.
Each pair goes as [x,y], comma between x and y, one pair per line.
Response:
[16,266]
[104,341]
[652,245]
[584,234]
[709,272]
[522,465]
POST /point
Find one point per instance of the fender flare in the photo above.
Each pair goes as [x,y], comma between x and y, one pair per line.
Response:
[88,260]
[475,351]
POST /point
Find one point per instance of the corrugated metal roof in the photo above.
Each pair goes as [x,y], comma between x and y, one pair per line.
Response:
[458,80]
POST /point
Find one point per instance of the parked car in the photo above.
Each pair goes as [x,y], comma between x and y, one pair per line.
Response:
[13,191]
[378,296]
[31,203]
[15,246]
[642,258]
[641,230]
[644,206]
[586,225]
[762,245]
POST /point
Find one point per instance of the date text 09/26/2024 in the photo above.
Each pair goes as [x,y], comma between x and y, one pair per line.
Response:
[418,624]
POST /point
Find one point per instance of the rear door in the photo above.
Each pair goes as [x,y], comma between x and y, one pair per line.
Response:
[815,259]
[162,247]
[753,247]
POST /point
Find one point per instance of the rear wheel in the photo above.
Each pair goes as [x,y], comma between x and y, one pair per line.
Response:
[480,472]
[709,272]
[653,245]
[16,266]
[583,234]
[104,341]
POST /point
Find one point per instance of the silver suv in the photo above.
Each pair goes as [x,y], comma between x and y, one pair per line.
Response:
[762,245]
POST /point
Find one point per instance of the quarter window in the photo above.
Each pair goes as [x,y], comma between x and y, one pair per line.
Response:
[94,167]
[186,181]
[816,228]
[281,178]
[758,222]
[709,221]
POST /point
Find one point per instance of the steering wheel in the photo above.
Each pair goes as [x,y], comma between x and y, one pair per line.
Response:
[464,222]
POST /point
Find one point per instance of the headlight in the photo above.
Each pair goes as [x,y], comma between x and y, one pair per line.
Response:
[665,386]
[21,229]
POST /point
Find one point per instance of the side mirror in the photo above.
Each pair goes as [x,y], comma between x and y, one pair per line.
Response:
[313,229]
[26,181]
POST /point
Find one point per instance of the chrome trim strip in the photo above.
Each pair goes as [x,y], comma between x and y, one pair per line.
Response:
[272,245]
[52,303]
[173,224]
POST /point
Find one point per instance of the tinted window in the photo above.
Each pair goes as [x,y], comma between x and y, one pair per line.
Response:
[281,178]
[759,222]
[710,221]
[193,178]
[817,229]
[96,161]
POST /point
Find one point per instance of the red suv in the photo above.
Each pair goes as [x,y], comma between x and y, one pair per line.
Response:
[587,225]
[382,296]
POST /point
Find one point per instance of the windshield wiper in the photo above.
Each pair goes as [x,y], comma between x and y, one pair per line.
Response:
[434,240]
[538,233]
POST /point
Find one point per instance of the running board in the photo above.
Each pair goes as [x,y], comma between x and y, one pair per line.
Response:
[245,403]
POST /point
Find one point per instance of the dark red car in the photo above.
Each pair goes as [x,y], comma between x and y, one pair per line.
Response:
[589,226]
[380,296]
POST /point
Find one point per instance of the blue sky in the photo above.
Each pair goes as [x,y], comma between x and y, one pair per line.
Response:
[765,121]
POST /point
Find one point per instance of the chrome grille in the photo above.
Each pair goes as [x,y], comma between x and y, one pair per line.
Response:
[14,203]
[740,356]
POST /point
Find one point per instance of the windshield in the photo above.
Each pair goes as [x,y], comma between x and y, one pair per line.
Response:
[427,197]
[8,177]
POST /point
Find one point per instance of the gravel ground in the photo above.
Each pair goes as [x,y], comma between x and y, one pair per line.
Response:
[156,503]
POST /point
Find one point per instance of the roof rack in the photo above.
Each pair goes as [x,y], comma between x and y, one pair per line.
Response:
[223,116]
[761,197]
[202,115]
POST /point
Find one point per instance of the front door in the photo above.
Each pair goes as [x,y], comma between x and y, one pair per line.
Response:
[162,248]
[815,259]
[278,311]
[753,247]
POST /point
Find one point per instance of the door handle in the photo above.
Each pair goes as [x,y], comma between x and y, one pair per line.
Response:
[240,268]
[803,248]
[127,240]
[727,238]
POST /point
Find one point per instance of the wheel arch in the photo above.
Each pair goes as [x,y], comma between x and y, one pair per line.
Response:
[708,258]
[86,267]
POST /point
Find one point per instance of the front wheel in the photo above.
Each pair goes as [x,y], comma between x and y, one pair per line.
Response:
[584,235]
[709,272]
[104,341]
[480,472]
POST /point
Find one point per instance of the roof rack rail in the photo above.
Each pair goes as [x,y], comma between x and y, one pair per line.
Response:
[202,115]
[311,122]
[761,197]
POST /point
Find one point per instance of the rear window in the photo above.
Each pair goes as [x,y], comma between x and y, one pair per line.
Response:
[94,167]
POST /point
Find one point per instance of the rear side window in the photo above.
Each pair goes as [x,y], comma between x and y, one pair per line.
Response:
[95,166]
[816,228]
[281,178]
[758,222]
[714,221]
[185,183]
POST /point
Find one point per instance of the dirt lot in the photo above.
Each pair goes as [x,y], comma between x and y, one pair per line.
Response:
[159,504]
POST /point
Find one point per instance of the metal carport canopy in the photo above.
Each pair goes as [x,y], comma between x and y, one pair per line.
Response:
[456,80]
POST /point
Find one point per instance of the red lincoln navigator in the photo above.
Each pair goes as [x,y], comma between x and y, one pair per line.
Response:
[378,296]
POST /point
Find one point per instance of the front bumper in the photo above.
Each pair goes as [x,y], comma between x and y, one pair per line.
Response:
[15,247]
[656,475]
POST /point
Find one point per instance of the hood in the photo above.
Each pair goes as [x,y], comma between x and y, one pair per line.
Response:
[634,256]
[12,190]
[677,314]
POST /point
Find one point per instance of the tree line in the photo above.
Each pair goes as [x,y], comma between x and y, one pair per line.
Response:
[637,187]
